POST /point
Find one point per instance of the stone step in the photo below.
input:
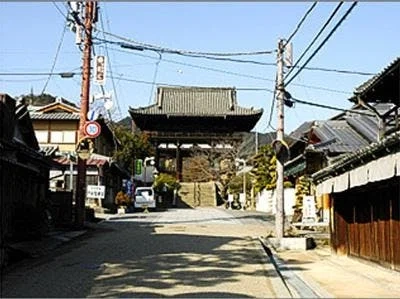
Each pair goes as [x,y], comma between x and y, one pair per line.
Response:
[197,194]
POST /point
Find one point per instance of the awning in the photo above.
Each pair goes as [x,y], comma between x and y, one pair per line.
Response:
[383,168]
[341,182]
[378,170]
[92,161]
[359,176]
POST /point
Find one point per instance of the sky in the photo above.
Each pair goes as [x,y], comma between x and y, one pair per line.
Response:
[367,41]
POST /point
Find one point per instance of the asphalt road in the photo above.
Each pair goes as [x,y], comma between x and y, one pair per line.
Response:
[204,252]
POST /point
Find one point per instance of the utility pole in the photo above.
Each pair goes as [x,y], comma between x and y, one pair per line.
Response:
[256,142]
[80,192]
[280,212]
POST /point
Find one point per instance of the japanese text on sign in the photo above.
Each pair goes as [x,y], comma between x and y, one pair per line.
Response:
[94,191]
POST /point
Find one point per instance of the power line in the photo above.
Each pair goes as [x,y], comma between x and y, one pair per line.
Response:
[322,88]
[155,75]
[196,66]
[336,71]
[62,74]
[231,73]
[328,107]
[56,56]
[183,53]
[362,73]
[255,89]
[175,51]
[301,22]
[272,106]
[324,41]
[179,85]
[71,74]
[24,80]
[59,9]
[110,68]
[315,39]
[228,59]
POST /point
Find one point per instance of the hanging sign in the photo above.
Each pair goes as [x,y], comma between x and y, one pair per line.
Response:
[100,70]
[93,114]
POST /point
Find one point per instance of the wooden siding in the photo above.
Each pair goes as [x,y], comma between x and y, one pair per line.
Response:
[367,223]
[55,125]
[395,229]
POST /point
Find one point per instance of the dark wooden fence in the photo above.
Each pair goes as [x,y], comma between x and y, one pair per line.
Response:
[367,223]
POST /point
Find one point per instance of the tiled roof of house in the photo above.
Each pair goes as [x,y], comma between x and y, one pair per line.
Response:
[55,116]
[92,161]
[390,143]
[346,132]
[298,134]
[337,136]
[369,83]
[37,105]
[196,101]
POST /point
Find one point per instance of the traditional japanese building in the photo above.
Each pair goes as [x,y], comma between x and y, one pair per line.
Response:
[184,117]
[56,126]
[364,184]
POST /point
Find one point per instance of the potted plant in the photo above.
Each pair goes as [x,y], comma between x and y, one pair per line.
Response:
[122,200]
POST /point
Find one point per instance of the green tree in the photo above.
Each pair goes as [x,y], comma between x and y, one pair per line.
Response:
[236,184]
[165,182]
[132,146]
[264,170]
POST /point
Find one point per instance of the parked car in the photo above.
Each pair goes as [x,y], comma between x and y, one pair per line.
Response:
[144,198]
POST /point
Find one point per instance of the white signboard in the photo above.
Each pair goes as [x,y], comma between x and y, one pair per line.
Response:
[309,211]
[242,198]
[94,191]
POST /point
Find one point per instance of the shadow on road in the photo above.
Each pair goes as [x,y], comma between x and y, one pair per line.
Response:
[132,259]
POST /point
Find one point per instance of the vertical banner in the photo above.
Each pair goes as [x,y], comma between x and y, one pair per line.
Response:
[100,70]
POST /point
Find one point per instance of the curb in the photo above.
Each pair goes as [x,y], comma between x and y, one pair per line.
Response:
[297,285]
[278,285]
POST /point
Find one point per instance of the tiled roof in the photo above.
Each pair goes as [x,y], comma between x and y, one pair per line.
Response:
[196,101]
[369,83]
[55,115]
[349,131]
[390,143]
[57,101]
[338,136]
[299,133]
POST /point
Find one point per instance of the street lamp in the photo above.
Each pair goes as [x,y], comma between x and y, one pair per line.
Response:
[145,162]
[238,162]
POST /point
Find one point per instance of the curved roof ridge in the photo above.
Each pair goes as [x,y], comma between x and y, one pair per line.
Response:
[196,101]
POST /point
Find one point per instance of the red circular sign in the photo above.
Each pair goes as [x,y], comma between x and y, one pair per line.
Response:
[92,129]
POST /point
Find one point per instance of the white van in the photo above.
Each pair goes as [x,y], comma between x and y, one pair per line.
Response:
[144,198]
